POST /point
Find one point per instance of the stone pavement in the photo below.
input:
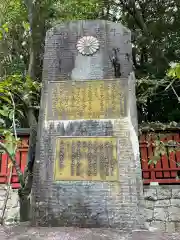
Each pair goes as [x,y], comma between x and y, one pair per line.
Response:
[30,233]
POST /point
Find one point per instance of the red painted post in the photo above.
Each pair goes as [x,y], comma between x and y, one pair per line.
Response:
[165,161]
[150,155]
[144,156]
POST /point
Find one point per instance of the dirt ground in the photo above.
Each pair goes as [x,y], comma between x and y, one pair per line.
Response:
[29,233]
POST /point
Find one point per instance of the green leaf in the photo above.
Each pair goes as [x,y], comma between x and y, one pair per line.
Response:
[26,96]
[5,99]
[10,142]
[11,114]
[4,113]
[157,142]
[149,162]
[178,71]
[178,164]
[26,26]
[174,71]
[5,108]
[5,27]
[154,160]
[2,151]
[2,122]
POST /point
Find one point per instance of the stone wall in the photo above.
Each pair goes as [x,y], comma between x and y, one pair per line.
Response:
[163,207]
[12,209]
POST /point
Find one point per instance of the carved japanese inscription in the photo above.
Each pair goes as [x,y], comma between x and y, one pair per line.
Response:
[72,100]
[86,159]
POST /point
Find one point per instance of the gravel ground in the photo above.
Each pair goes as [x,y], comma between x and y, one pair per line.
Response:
[29,233]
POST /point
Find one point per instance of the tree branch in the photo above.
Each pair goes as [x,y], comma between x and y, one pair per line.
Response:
[14,124]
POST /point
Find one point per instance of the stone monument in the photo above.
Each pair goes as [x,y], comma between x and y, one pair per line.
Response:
[87,169]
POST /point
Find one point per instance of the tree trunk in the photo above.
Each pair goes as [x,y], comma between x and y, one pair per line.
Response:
[37,17]
[24,193]
[24,202]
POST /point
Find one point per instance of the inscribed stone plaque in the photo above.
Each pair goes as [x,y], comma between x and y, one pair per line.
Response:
[71,100]
[85,159]
[87,100]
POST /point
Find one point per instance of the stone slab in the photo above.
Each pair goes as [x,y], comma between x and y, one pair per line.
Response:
[88,203]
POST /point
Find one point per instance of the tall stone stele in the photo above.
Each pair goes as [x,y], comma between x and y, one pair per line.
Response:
[87,169]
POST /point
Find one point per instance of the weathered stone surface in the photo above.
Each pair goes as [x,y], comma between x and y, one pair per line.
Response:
[88,203]
[175,202]
[149,214]
[174,214]
[166,209]
[177,226]
[161,226]
[13,200]
[12,214]
[170,227]
[162,203]
[176,193]
[12,208]
[149,204]
[164,193]
[160,214]
[12,211]
[150,194]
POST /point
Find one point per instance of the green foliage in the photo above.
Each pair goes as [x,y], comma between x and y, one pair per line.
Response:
[162,148]
[156,43]
[6,113]
[155,34]
[10,142]
[12,11]
[23,89]
[174,71]
[155,100]
[14,37]
[3,31]
[77,9]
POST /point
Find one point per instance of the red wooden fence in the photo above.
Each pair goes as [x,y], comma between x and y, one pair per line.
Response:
[21,155]
[167,168]
[165,171]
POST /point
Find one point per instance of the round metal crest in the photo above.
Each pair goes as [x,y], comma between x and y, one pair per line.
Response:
[87,45]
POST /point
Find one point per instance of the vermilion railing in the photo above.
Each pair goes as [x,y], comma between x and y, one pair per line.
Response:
[167,168]
[21,156]
[165,171]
